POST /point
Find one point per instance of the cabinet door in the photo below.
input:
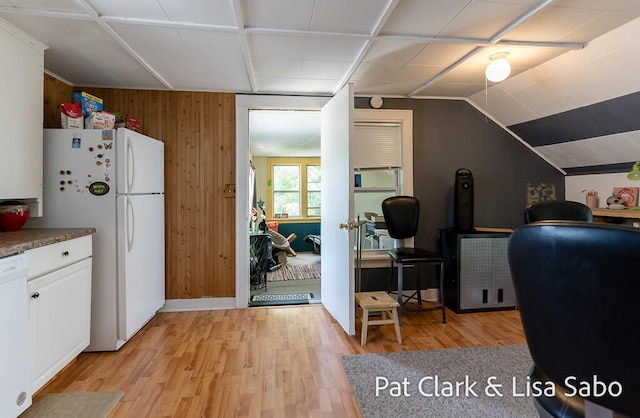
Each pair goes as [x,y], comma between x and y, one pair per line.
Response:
[476,275]
[59,319]
[21,119]
[504,293]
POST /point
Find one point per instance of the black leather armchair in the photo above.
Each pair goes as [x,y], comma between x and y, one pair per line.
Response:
[578,288]
[557,210]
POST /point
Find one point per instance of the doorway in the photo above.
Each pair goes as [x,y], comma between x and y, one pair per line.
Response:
[244,199]
[284,148]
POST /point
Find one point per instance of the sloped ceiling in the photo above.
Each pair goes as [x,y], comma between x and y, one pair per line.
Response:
[581,110]
[408,48]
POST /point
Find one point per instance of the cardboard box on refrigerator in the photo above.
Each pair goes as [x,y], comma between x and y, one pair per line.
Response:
[87,102]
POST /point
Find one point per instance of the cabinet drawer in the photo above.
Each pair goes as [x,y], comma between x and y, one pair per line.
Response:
[45,259]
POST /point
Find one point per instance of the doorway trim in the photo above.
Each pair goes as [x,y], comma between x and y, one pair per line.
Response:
[245,103]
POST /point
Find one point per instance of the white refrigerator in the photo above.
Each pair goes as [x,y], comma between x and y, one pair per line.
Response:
[112,180]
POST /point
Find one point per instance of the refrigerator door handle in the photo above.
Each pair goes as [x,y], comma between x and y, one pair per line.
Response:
[130,224]
[131,164]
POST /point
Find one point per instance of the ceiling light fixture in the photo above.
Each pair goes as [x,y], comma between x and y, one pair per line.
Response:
[498,68]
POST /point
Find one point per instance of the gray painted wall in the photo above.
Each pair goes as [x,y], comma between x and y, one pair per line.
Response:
[452,134]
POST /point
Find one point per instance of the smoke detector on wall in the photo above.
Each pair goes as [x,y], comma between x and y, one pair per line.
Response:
[376,102]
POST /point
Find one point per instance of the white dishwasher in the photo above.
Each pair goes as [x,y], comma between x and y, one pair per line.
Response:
[15,382]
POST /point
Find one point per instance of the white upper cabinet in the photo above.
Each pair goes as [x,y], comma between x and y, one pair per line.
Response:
[21,84]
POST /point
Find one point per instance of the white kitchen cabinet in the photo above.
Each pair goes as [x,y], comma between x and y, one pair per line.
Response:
[59,289]
[21,83]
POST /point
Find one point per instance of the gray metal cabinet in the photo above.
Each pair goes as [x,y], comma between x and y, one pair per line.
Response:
[479,278]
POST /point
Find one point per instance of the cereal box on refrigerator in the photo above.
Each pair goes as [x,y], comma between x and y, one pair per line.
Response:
[87,102]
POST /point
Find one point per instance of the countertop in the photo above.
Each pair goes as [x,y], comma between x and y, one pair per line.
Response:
[29,238]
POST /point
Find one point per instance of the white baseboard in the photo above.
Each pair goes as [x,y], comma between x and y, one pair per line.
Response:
[199,304]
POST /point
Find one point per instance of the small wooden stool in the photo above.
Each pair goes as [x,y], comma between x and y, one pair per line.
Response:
[378,302]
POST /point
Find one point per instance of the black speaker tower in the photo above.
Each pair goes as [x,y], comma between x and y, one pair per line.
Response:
[463,201]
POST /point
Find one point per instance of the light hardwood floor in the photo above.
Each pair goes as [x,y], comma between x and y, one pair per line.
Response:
[260,362]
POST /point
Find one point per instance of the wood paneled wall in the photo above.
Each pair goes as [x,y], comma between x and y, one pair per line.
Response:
[198,130]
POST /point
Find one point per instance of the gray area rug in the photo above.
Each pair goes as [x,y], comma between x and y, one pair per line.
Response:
[74,405]
[440,383]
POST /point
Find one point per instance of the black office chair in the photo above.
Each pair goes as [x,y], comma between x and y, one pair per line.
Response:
[557,210]
[401,215]
[577,288]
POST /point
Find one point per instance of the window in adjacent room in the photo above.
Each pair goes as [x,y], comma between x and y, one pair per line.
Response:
[313,191]
[294,188]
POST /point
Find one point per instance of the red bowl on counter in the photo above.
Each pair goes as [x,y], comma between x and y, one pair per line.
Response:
[13,217]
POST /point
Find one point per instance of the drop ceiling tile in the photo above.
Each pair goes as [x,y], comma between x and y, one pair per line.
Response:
[554,24]
[422,18]
[58,5]
[206,49]
[483,20]
[272,84]
[593,29]
[622,35]
[501,106]
[213,12]
[333,49]
[264,67]
[63,33]
[629,5]
[613,83]
[375,71]
[138,9]
[276,46]
[416,73]
[320,87]
[450,90]
[281,85]
[354,16]
[332,70]
[622,72]
[599,4]
[526,57]
[278,14]
[393,51]
[391,88]
[458,76]
[438,53]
